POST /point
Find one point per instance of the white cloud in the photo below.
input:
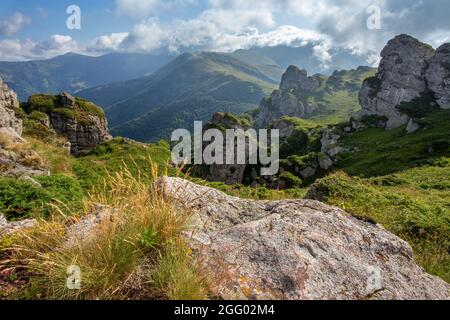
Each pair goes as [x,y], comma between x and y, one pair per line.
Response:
[17,50]
[136,8]
[226,25]
[106,43]
[13,24]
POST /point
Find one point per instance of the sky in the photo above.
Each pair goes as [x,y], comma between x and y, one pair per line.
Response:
[37,29]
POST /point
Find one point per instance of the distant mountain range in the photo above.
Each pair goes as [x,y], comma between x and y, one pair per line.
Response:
[146,96]
[72,72]
[191,87]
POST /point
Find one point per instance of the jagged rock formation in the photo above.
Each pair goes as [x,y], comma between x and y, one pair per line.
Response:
[285,101]
[80,121]
[297,249]
[15,160]
[408,70]
[438,75]
[227,173]
[303,96]
[8,102]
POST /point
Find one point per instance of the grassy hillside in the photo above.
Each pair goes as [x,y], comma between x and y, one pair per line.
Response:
[193,85]
[414,204]
[376,152]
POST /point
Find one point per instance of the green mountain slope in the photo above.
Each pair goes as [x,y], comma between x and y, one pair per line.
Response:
[192,87]
[72,72]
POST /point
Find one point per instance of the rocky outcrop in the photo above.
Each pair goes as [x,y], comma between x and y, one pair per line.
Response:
[400,78]
[80,121]
[82,136]
[286,101]
[15,159]
[297,249]
[8,102]
[408,70]
[226,173]
[438,75]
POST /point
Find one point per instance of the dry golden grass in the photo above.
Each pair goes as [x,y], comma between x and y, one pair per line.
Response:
[140,246]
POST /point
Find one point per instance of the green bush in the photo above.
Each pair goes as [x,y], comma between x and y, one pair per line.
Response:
[21,199]
[40,102]
[38,116]
[419,107]
[292,181]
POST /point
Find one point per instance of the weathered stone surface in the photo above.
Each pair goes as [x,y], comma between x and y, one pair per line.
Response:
[438,75]
[325,162]
[67,100]
[226,173]
[286,101]
[412,126]
[8,101]
[296,79]
[281,103]
[82,135]
[285,127]
[297,249]
[400,78]
[84,230]
[8,228]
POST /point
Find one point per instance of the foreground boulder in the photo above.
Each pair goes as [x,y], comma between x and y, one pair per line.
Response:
[297,249]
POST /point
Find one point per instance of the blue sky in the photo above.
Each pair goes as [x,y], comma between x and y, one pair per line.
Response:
[36,29]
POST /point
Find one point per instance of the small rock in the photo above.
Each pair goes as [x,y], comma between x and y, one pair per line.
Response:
[31,181]
[412,126]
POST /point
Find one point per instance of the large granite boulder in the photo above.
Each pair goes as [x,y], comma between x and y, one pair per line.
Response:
[438,75]
[8,102]
[400,78]
[297,249]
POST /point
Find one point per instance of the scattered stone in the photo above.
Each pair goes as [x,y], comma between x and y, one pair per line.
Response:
[8,228]
[325,162]
[308,172]
[412,126]
[84,230]
[31,181]
[67,100]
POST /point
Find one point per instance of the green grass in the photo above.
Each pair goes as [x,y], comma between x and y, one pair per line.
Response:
[144,233]
[40,104]
[401,204]
[113,155]
[21,199]
[380,152]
